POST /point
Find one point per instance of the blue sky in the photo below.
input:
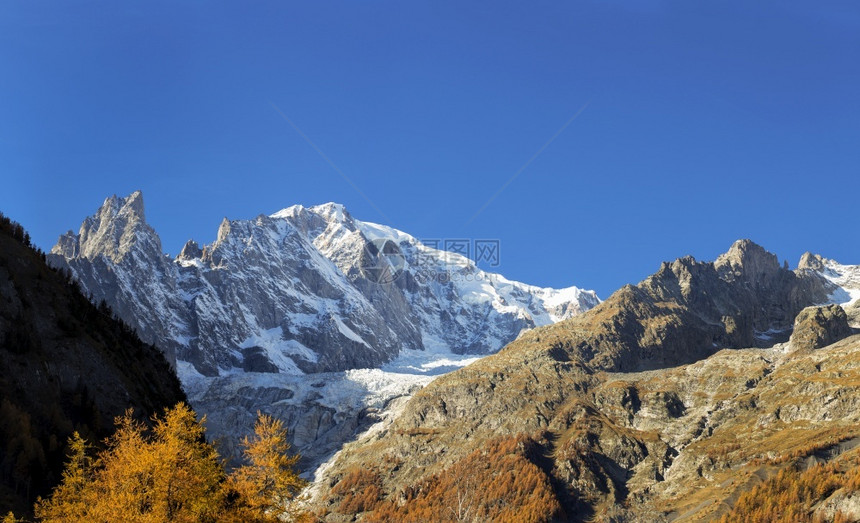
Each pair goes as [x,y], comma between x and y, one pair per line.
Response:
[701,123]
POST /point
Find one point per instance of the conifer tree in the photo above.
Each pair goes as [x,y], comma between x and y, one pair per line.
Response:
[269,483]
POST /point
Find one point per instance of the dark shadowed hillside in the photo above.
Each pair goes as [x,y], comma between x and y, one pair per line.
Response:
[65,365]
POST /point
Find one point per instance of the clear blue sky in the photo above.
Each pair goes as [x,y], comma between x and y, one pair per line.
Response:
[703,124]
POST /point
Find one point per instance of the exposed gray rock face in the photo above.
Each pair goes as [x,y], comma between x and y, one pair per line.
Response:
[853,312]
[760,293]
[811,261]
[844,503]
[817,327]
[190,251]
[117,257]
[845,279]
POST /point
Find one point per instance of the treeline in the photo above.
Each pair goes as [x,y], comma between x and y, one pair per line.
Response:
[170,473]
[16,231]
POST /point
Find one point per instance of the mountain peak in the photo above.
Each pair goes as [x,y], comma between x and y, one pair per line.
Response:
[134,203]
[288,212]
[811,261]
[745,250]
[223,230]
[131,205]
[190,251]
[748,259]
[331,211]
[116,228]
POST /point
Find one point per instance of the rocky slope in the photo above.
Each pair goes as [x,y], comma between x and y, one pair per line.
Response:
[633,411]
[65,365]
[275,312]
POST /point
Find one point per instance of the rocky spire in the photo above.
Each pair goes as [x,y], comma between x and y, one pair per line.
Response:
[747,261]
[114,246]
[190,251]
[811,261]
[223,230]
[114,230]
[67,245]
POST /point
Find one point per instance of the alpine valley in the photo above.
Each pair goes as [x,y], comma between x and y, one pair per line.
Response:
[421,388]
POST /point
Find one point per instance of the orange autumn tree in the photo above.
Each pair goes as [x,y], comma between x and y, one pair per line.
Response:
[267,484]
[172,474]
[68,502]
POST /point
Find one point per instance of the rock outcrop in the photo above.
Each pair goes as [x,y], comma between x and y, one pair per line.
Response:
[813,262]
[817,327]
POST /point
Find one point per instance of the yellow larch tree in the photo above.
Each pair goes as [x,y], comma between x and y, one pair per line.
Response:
[268,485]
[172,474]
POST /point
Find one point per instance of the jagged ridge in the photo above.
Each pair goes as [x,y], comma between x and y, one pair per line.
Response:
[294,292]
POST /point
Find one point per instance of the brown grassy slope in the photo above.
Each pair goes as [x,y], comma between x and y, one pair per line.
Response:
[681,443]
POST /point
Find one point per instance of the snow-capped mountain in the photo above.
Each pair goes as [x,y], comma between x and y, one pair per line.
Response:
[843,283]
[845,278]
[304,291]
